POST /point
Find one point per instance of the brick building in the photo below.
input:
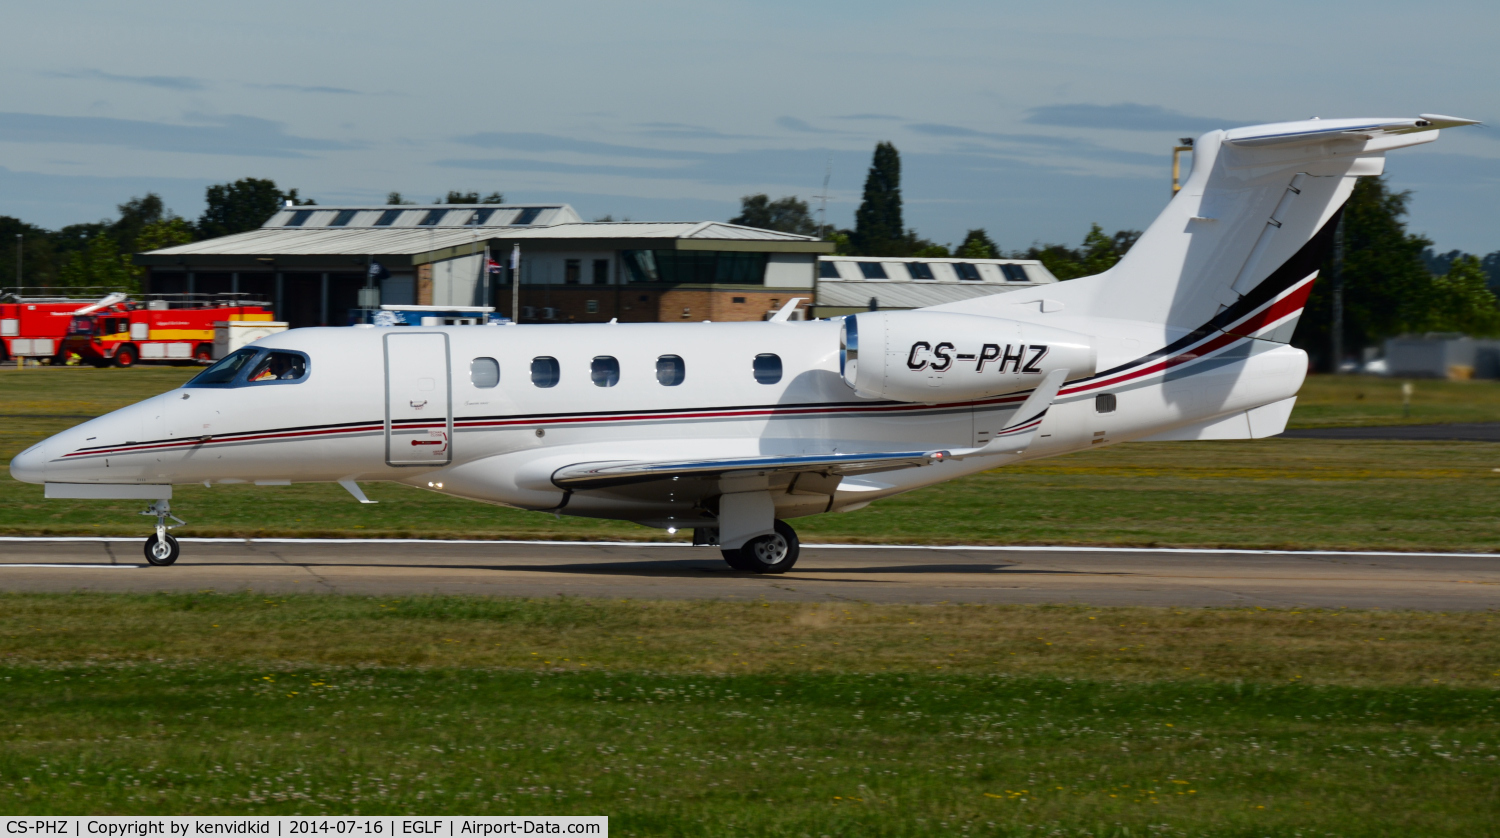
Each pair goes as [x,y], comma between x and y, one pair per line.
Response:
[330,265]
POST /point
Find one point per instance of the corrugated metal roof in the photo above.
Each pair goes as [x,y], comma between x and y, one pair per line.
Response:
[905,294]
[334,241]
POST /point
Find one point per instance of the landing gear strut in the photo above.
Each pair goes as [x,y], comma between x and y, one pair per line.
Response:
[162,549]
[774,553]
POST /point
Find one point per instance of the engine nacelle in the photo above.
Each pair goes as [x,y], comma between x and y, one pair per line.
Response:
[922,356]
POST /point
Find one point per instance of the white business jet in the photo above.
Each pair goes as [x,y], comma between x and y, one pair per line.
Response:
[732,428]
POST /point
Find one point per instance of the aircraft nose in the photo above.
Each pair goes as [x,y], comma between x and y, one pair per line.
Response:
[30,466]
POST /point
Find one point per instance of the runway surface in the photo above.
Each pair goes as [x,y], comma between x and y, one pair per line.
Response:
[824,573]
[1456,432]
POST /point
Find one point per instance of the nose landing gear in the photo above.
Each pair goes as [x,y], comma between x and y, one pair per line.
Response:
[162,549]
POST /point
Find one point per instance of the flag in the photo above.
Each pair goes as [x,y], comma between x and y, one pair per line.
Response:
[515,258]
[493,266]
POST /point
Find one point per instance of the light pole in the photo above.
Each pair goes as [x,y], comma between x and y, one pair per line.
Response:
[1177,150]
[19,283]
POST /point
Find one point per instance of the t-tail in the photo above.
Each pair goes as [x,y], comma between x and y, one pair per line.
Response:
[1238,247]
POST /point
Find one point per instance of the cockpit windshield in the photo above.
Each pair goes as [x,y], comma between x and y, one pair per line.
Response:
[250,366]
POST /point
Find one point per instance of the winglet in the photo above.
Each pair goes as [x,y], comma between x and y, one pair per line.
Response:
[1016,437]
[785,313]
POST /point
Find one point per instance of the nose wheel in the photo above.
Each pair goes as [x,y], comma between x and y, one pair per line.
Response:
[162,551]
[161,548]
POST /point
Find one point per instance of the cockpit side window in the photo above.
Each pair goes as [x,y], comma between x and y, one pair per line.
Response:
[252,365]
[279,366]
[226,370]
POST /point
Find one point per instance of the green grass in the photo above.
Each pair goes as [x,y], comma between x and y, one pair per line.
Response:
[1264,494]
[774,719]
[1328,401]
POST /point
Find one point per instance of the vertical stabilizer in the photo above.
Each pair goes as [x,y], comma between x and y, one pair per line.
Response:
[1238,247]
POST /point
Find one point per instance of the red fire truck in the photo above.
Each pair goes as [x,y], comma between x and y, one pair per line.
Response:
[165,328]
[33,325]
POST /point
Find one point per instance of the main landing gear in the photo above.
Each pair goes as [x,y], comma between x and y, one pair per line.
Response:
[162,549]
[774,553]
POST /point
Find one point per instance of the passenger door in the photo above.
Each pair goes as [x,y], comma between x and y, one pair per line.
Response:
[418,400]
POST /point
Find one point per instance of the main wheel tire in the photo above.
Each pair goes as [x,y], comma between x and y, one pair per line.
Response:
[161,554]
[774,553]
[126,356]
[734,560]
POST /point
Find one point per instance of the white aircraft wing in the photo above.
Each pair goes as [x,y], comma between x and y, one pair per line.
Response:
[612,473]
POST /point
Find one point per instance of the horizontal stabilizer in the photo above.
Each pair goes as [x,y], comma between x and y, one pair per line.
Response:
[1322,130]
[604,475]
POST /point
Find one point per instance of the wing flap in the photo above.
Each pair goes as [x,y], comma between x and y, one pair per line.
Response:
[611,473]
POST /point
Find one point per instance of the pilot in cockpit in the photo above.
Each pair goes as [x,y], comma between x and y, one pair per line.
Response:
[279,366]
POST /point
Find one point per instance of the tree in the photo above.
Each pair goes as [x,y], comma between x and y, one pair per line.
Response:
[98,263]
[395,199]
[165,232]
[1386,285]
[466,198]
[977,244]
[879,229]
[243,205]
[135,215]
[1098,254]
[39,257]
[1461,301]
[787,215]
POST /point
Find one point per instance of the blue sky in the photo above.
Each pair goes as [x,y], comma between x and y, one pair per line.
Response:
[1030,120]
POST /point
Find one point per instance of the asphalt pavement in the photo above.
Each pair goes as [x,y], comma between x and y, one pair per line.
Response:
[825,573]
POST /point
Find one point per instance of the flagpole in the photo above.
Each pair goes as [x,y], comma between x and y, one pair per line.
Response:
[515,283]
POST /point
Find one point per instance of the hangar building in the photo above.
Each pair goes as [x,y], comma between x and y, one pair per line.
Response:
[322,265]
[849,284]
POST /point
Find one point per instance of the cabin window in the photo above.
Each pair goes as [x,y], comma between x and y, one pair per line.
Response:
[484,372]
[279,366]
[670,370]
[966,271]
[919,270]
[1104,403]
[767,368]
[828,270]
[872,270]
[545,371]
[605,371]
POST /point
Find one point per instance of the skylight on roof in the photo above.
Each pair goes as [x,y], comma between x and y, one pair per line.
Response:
[343,218]
[432,218]
[388,217]
[528,215]
[299,218]
[479,217]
